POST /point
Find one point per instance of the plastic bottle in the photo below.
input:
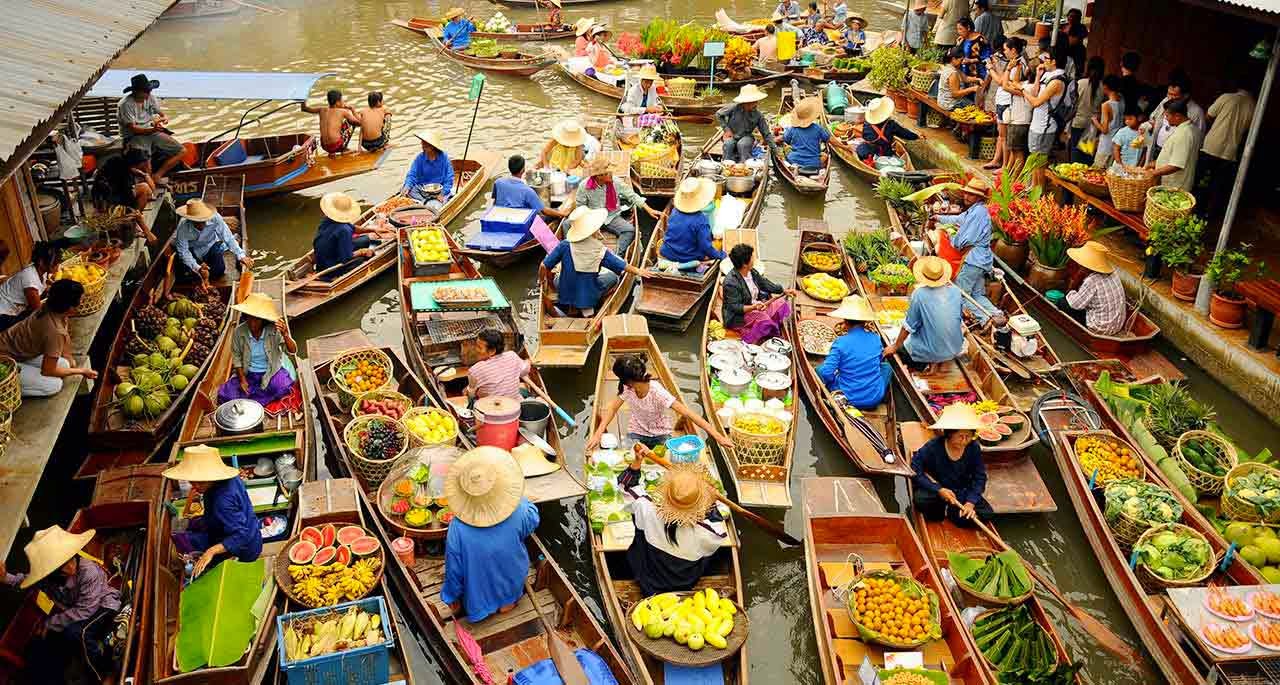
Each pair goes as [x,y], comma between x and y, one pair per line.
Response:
[188,571]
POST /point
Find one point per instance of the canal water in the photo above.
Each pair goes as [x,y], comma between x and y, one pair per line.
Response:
[352,40]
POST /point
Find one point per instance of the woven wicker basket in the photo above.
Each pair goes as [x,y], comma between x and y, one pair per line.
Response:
[1126,529]
[1236,509]
[1206,483]
[681,88]
[980,552]
[1153,583]
[922,80]
[372,471]
[384,394]
[6,431]
[829,249]
[414,440]
[1110,438]
[11,386]
[95,291]
[757,448]
[1129,194]
[933,119]
[347,396]
[656,169]
[987,147]
[1153,213]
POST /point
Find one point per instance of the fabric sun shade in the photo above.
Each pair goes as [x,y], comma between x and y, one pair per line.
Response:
[212,85]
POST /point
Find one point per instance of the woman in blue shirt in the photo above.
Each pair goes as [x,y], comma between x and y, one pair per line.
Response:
[431,165]
[950,476]
[228,527]
[855,365]
[458,29]
[581,283]
[336,242]
[688,237]
[260,345]
[806,136]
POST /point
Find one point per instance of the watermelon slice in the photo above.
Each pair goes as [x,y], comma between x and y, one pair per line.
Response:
[349,534]
[989,435]
[364,546]
[312,534]
[328,535]
[1012,420]
[1002,429]
[989,419]
[302,552]
[325,556]
[344,555]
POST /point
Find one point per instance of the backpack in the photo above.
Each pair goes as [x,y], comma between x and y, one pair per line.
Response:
[1063,110]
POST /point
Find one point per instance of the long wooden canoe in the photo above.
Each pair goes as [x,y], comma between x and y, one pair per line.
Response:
[522,32]
[844,520]
[807,185]
[846,152]
[304,294]
[522,65]
[629,335]
[565,341]
[867,440]
[511,641]
[117,440]
[678,105]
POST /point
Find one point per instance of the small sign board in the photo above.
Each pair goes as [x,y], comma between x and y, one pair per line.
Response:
[477,85]
[715,49]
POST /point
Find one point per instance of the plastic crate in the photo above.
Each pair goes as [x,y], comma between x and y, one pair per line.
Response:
[369,665]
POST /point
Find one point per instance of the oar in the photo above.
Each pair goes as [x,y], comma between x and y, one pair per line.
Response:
[561,654]
[545,398]
[769,527]
[1105,636]
[309,279]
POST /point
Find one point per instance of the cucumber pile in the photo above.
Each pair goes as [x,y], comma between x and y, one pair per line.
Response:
[999,575]
[1019,649]
[1204,454]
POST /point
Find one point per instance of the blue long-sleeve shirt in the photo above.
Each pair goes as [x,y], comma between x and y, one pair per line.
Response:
[935,324]
[229,519]
[457,33]
[485,568]
[688,238]
[578,289]
[806,145]
[974,233]
[425,170]
[333,244]
[193,244]
[853,367]
[967,478]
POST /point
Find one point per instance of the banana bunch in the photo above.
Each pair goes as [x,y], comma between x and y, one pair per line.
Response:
[322,586]
[311,637]
[704,618]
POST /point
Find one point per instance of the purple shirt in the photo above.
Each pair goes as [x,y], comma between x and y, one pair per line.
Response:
[83,594]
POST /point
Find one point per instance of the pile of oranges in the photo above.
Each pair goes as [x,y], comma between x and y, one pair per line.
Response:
[1110,458]
[881,605]
[366,376]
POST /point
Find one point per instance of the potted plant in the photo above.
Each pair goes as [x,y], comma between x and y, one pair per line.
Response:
[1177,243]
[889,66]
[892,278]
[1051,229]
[1010,243]
[1226,270]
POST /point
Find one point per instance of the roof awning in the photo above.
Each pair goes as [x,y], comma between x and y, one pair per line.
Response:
[213,85]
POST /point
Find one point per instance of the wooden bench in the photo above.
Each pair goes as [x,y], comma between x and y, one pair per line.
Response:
[1263,295]
[972,131]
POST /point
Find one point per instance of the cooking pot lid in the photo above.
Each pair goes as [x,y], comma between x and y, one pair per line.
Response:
[497,406]
[734,376]
[773,361]
[237,415]
[777,345]
[718,346]
[727,360]
[773,380]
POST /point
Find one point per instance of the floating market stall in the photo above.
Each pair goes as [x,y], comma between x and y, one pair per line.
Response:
[497,27]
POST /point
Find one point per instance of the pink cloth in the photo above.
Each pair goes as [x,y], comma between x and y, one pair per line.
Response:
[498,375]
[580,46]
[610,193]
[763,324]
[649,414]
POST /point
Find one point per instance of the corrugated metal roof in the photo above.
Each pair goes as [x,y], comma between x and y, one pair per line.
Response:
[54,48]
[1272,6]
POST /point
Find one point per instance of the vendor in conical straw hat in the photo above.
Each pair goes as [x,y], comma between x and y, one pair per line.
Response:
[554,20]
[740,121]
[1097,296]
[457,29]
[950,475]
[805,135]
[200,239]
[601,188]
[855,365]
[580,29]
[598,48]
[485,557]
[430,168]
[260,347]
[570,146]
[588,268]
[84,611]
[337,247]
[879,130]
[933,331]
[688,240]
[643,96]
[227,528]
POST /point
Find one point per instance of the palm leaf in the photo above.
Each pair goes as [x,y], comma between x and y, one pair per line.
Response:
[215,615]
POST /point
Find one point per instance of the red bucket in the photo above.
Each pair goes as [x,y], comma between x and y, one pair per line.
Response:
[497,422]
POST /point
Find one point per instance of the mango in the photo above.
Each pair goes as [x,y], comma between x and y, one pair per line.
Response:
[696,641]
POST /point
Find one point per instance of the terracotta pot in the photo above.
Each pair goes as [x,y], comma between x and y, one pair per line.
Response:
[1043,29]
[1227,312]
[900,100]
[1014,255]
[1044,279]
[1185,285]
[913,108]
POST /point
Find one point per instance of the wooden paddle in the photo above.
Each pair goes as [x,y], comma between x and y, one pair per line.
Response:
[561,653]
[310,279]
[774,529]
[552,403]
[1105,636]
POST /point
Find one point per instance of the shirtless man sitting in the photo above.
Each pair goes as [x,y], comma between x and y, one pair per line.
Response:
[373,124]
[336,122]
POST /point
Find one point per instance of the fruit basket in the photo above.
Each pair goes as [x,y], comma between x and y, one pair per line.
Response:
[430,426]
[758,439]
[1244,493]
[89,275]
[327,564]
[647,627]
[411,498]
[375,442]
[823,287]
[1111,457]
[1206,458]
[356,372]
[867,595]
[430,251]
[382,402]
[824,259]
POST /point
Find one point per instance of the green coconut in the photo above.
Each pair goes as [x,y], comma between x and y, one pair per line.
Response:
[189,370]
[124,390]
[140,359]
[179,382]
[189,323]
[165,343]
[1272,574]
[1254,555]
[134,405]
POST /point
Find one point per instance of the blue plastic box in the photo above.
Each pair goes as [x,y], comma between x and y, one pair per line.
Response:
[507,220]
[370,665]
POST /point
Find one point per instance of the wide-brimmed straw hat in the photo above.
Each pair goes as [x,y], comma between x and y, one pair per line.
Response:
[597,166]
[932,272]
[958,416]
[556,3]
[976,186]
[694,194]
[259,306]
[454,12]
[202,464]
[879,110]
[196,210]
[853,308]
[920,5]
[853,17]
[431,137]
[602,27]
[50,548]
[649,72]
[806,112]
[750,93]
[484,486]
[1093,256]
[533,462]
[583,25]
[584,222]
[684,494]
[340,207]
[569,133]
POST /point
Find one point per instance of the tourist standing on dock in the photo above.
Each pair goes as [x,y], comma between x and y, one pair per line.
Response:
[974,237]
[915,25]
[41,343]
[228,528]
[201,238]
[933,332]
[260,345]
[950,475]
[20,293]
[1175,167]
[740,120]
[855,365]
[952,11]
[1229,118]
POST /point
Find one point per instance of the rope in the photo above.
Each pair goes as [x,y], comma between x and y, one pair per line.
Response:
[844,590]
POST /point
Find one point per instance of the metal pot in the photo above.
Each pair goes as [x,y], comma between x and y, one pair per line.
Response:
[773,384]
[238,417]
[734,381]
[707,167]
[740,185]
[728,360]
[727,345]
[772,361]
[777,345]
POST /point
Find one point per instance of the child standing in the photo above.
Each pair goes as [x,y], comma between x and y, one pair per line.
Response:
[1127,146]
[649,422]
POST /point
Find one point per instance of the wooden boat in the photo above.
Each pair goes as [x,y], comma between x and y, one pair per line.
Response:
[808,185]
[748,31]
[1176,649]
[565,341]
[677,105]
[122,511]
[523,64]
[120,441]
[670,300]
[200,9]
[756,484]
[305,294]
[629,335]
[522,32]
[538,3]
[844,150]
[844,520]
[510,641]
[867,441]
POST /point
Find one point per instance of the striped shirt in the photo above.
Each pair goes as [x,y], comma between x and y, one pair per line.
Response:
[498,375]
[1102,298]
[649,415]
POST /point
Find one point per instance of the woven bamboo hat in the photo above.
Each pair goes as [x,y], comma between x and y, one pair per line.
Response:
[583,25]
[532,461]
[958,416]
[569,133]
[484,486]
[879,110]
[806,112]
[932,272]
[597,166]
[1093,256]
[51,548]
[202,464]
[694,194]
[853,17]
[340,207]
[584,222]
[454,12]
[649,72]
[976,186]
[602,27]
[684,495]
[853,308]
[556,3]
[196,210]
[430,137]
[260,306]
[750,93]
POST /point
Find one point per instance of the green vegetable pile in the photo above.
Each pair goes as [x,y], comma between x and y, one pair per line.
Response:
[1172,198]
[483,47]
[893,275]
[861,64]
[1172,411]
[1175,554]
[893,190]
[999,575]
[1260,488]
[1141,501]
[1019,649]
[871,249]
[1204,454]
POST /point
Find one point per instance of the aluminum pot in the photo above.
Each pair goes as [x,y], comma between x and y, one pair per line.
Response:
[728,360]
[740,185]
[734,381]
[238,417]
[777,345]
[773,384]
[772,361]
[707,167]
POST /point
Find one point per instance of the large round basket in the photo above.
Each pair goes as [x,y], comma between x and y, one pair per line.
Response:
[1153,583]
[350,360]
[280,568]
[1204,482]
[10,385]
[804,286]
[95,290]
[1236,509]
[1129,193]
[758,449]
[669,651]
[400,399]
[987,661]
[372,471]
[823,249]
[1113,440]
[1154,213]
[415,440]
[982,552]
[1126,529]
[912,587]
[922,79]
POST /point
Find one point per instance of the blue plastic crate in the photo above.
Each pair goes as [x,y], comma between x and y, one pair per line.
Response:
[496,241]
[370,665]
[507,220]
[685,449]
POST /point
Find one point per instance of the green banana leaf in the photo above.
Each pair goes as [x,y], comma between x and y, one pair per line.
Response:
[215,617]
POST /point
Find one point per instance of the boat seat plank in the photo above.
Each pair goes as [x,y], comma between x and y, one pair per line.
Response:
[888,553]
[950,378]
[763,493]
[523,613]
[836,573]
[851,652]
[823,496]
[1017,488]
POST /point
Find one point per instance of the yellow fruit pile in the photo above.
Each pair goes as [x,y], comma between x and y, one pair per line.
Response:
[1111,459]
[759,424]
[434,427]
[310,637]
[652,152]
[365,376]
[82,274]
[325,586]
[821,260]
[883,606]
[715,330]
[702,619]
[429,245]
[824,287]
[970,114]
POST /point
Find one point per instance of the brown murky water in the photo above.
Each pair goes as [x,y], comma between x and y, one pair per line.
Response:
[352,40]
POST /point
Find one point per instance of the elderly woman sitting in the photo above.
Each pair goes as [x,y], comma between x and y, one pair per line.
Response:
[260,345]
[950,475]
[747,310]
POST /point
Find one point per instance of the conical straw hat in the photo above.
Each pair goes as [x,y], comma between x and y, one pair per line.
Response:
[484,486]
[958,416]
[201,463]
[51,548]
[259,305]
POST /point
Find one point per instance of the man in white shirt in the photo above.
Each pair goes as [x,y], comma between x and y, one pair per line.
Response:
[952,11]
[1230,116]
[1176,165]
